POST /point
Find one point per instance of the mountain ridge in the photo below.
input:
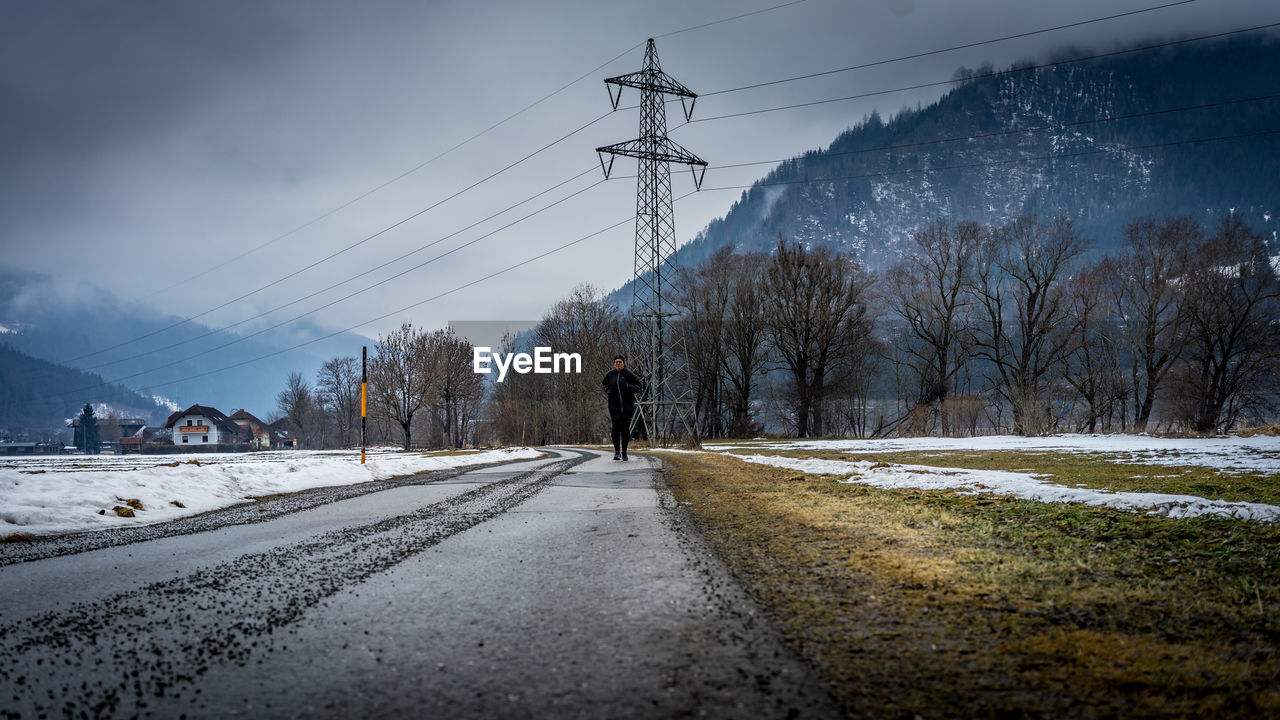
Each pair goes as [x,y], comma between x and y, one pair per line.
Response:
[1033,139]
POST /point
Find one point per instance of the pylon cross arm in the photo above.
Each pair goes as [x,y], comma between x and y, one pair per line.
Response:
[652,80]
[660,149]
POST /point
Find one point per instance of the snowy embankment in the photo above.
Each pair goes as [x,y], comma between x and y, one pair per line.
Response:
[71,493]
[1256,454]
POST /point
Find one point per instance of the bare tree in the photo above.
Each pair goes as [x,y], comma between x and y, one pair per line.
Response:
[928,291]
[743,335]
[815,307]
[1093,363]
[583,323]
[338,387]
[401,376]
[1025,329]
[1146,288]
[297,404]
[704,294]
[509,410]
[1232,305]
[458,389]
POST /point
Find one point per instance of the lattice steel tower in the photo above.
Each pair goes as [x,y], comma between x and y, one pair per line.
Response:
[659,354]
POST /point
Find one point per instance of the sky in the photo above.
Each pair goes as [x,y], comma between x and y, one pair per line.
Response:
[187,154]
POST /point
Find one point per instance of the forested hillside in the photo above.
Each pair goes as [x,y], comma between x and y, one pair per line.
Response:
[37,397]
[1187,129]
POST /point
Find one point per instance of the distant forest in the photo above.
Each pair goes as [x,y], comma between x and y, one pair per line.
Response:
[38,397]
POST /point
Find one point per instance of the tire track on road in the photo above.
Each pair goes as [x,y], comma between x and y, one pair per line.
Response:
[112,656]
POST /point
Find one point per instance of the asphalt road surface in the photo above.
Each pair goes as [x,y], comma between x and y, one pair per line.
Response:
[564,587]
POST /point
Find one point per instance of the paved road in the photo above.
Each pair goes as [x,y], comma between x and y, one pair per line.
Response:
[563,587]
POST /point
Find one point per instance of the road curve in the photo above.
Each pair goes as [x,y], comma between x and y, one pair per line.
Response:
[569,586]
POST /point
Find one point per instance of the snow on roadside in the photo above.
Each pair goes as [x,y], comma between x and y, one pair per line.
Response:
[64,493]
[1022,485]
[1259,453]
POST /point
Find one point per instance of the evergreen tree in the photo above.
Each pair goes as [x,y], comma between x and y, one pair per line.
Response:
[88,430]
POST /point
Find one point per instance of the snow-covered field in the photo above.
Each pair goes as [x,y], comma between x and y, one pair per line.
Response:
[65,493]
[1256,454]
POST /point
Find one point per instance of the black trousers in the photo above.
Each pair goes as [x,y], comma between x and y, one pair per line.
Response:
[621,431]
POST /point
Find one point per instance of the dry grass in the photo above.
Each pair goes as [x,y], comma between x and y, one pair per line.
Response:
[945,605]
[1269,430]
[134,503]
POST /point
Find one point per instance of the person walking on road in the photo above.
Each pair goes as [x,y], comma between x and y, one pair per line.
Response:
[621,385]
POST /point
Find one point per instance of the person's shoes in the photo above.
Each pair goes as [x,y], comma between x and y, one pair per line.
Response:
[616,456]
[624,458]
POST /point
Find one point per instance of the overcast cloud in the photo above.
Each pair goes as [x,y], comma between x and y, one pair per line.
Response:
[143,143]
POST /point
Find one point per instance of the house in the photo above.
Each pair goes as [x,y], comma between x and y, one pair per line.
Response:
[264,436]
[200,425]
[283,435]
[111,430]
[30,448]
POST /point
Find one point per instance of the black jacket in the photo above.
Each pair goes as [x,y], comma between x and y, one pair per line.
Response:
[621,386]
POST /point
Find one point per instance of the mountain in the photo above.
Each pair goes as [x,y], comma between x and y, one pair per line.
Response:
[1028,140]
[79,329]
[41,409]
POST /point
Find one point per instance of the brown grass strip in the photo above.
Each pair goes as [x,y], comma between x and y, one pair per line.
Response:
[943,605]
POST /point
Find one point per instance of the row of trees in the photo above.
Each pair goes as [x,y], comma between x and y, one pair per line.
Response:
[1016,327]
[421,391]
[1013,327]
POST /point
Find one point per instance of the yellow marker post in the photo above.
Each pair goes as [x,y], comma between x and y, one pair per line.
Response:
[364,383]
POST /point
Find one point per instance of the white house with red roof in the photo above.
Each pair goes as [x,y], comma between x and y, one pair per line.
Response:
[203,425]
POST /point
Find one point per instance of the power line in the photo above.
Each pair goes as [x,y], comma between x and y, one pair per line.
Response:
[421,165]
[345,280]
[352,246]
[348,296]
[964,46]
[630,218]
[811,156]
[983,76]
[1009,161]
[459,145]
[1002,133]
[725,20]
[722,166]
[898,146]
[717,92]
[983,136]
[397,311]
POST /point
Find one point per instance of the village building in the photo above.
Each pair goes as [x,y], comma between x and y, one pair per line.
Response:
[200,425]
[111,430]
[284,435]
[264,435]
[8,447]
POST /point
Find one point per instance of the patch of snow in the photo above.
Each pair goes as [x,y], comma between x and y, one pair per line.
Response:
[1022,485]
[1256,454]
[165,403]
[64,493]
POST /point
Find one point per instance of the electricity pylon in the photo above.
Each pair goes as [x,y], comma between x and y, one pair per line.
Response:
[660,355]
